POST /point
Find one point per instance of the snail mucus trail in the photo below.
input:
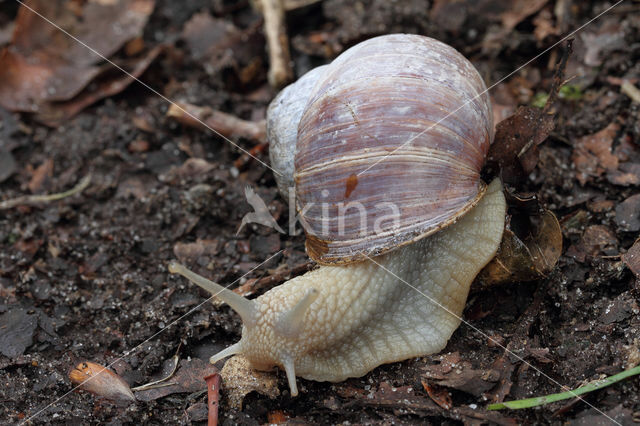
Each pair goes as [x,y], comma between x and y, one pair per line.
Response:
[358,113]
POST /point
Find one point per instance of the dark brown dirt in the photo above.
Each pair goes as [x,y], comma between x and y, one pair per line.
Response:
[85,278]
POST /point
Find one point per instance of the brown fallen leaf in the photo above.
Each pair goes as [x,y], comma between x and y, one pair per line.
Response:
[544,27]
[41,173]
[29,247]
[239,379]
[632,258]
[204,34]
[17,327]
[594,240]
[439,395]
[220,46]
[198,412]
[101,381]
[188,378]
[464,377]
[627,174]
[514,152]
[527,255]
[44,65]
[518,10]
[592,154]
[528,127]
[509,14]
[628,214]
[277,417]
[111,82]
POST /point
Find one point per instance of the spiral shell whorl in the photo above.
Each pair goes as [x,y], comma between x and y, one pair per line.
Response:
[399,127]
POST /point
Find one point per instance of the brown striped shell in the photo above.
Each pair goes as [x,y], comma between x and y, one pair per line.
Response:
[389,147]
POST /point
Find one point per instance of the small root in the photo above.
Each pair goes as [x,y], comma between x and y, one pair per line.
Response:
[47,198]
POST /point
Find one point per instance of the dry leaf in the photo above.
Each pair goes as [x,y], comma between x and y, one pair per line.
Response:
[628,214]
[16,331]
[525,257]
[632,258]
[190,377]
[439,395]
[111,82]
[101,381]
[40,175]
[518,10]
[277,417]
[44,65]
[203,33]
[515,149]
[592,154]
[544,27]
[464,378]
[594,240]
[514,152]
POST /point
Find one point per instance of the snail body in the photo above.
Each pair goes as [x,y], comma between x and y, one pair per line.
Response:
[358,311]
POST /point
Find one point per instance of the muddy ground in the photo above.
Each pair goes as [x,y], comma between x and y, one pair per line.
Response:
[85,277]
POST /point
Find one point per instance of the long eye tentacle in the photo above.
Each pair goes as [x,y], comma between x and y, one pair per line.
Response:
[244,307]
[290,323]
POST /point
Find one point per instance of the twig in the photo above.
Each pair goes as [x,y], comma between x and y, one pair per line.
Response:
[227,124]
[47,198]
[553,93]
[630,90]
[280,71]
[213,394]
[297,4]
[559,76]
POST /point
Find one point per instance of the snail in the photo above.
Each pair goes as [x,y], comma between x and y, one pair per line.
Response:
[384,147]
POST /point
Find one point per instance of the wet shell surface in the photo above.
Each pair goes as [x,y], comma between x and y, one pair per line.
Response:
[389,147]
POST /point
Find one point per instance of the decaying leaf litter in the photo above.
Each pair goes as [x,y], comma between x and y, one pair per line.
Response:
[83,278]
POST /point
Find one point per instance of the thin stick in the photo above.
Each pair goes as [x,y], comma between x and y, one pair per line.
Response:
[213,394]
[226,124]
[47,198]
[630,90]
[280,71]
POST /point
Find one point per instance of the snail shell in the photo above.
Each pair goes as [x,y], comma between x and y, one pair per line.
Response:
[398,127]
